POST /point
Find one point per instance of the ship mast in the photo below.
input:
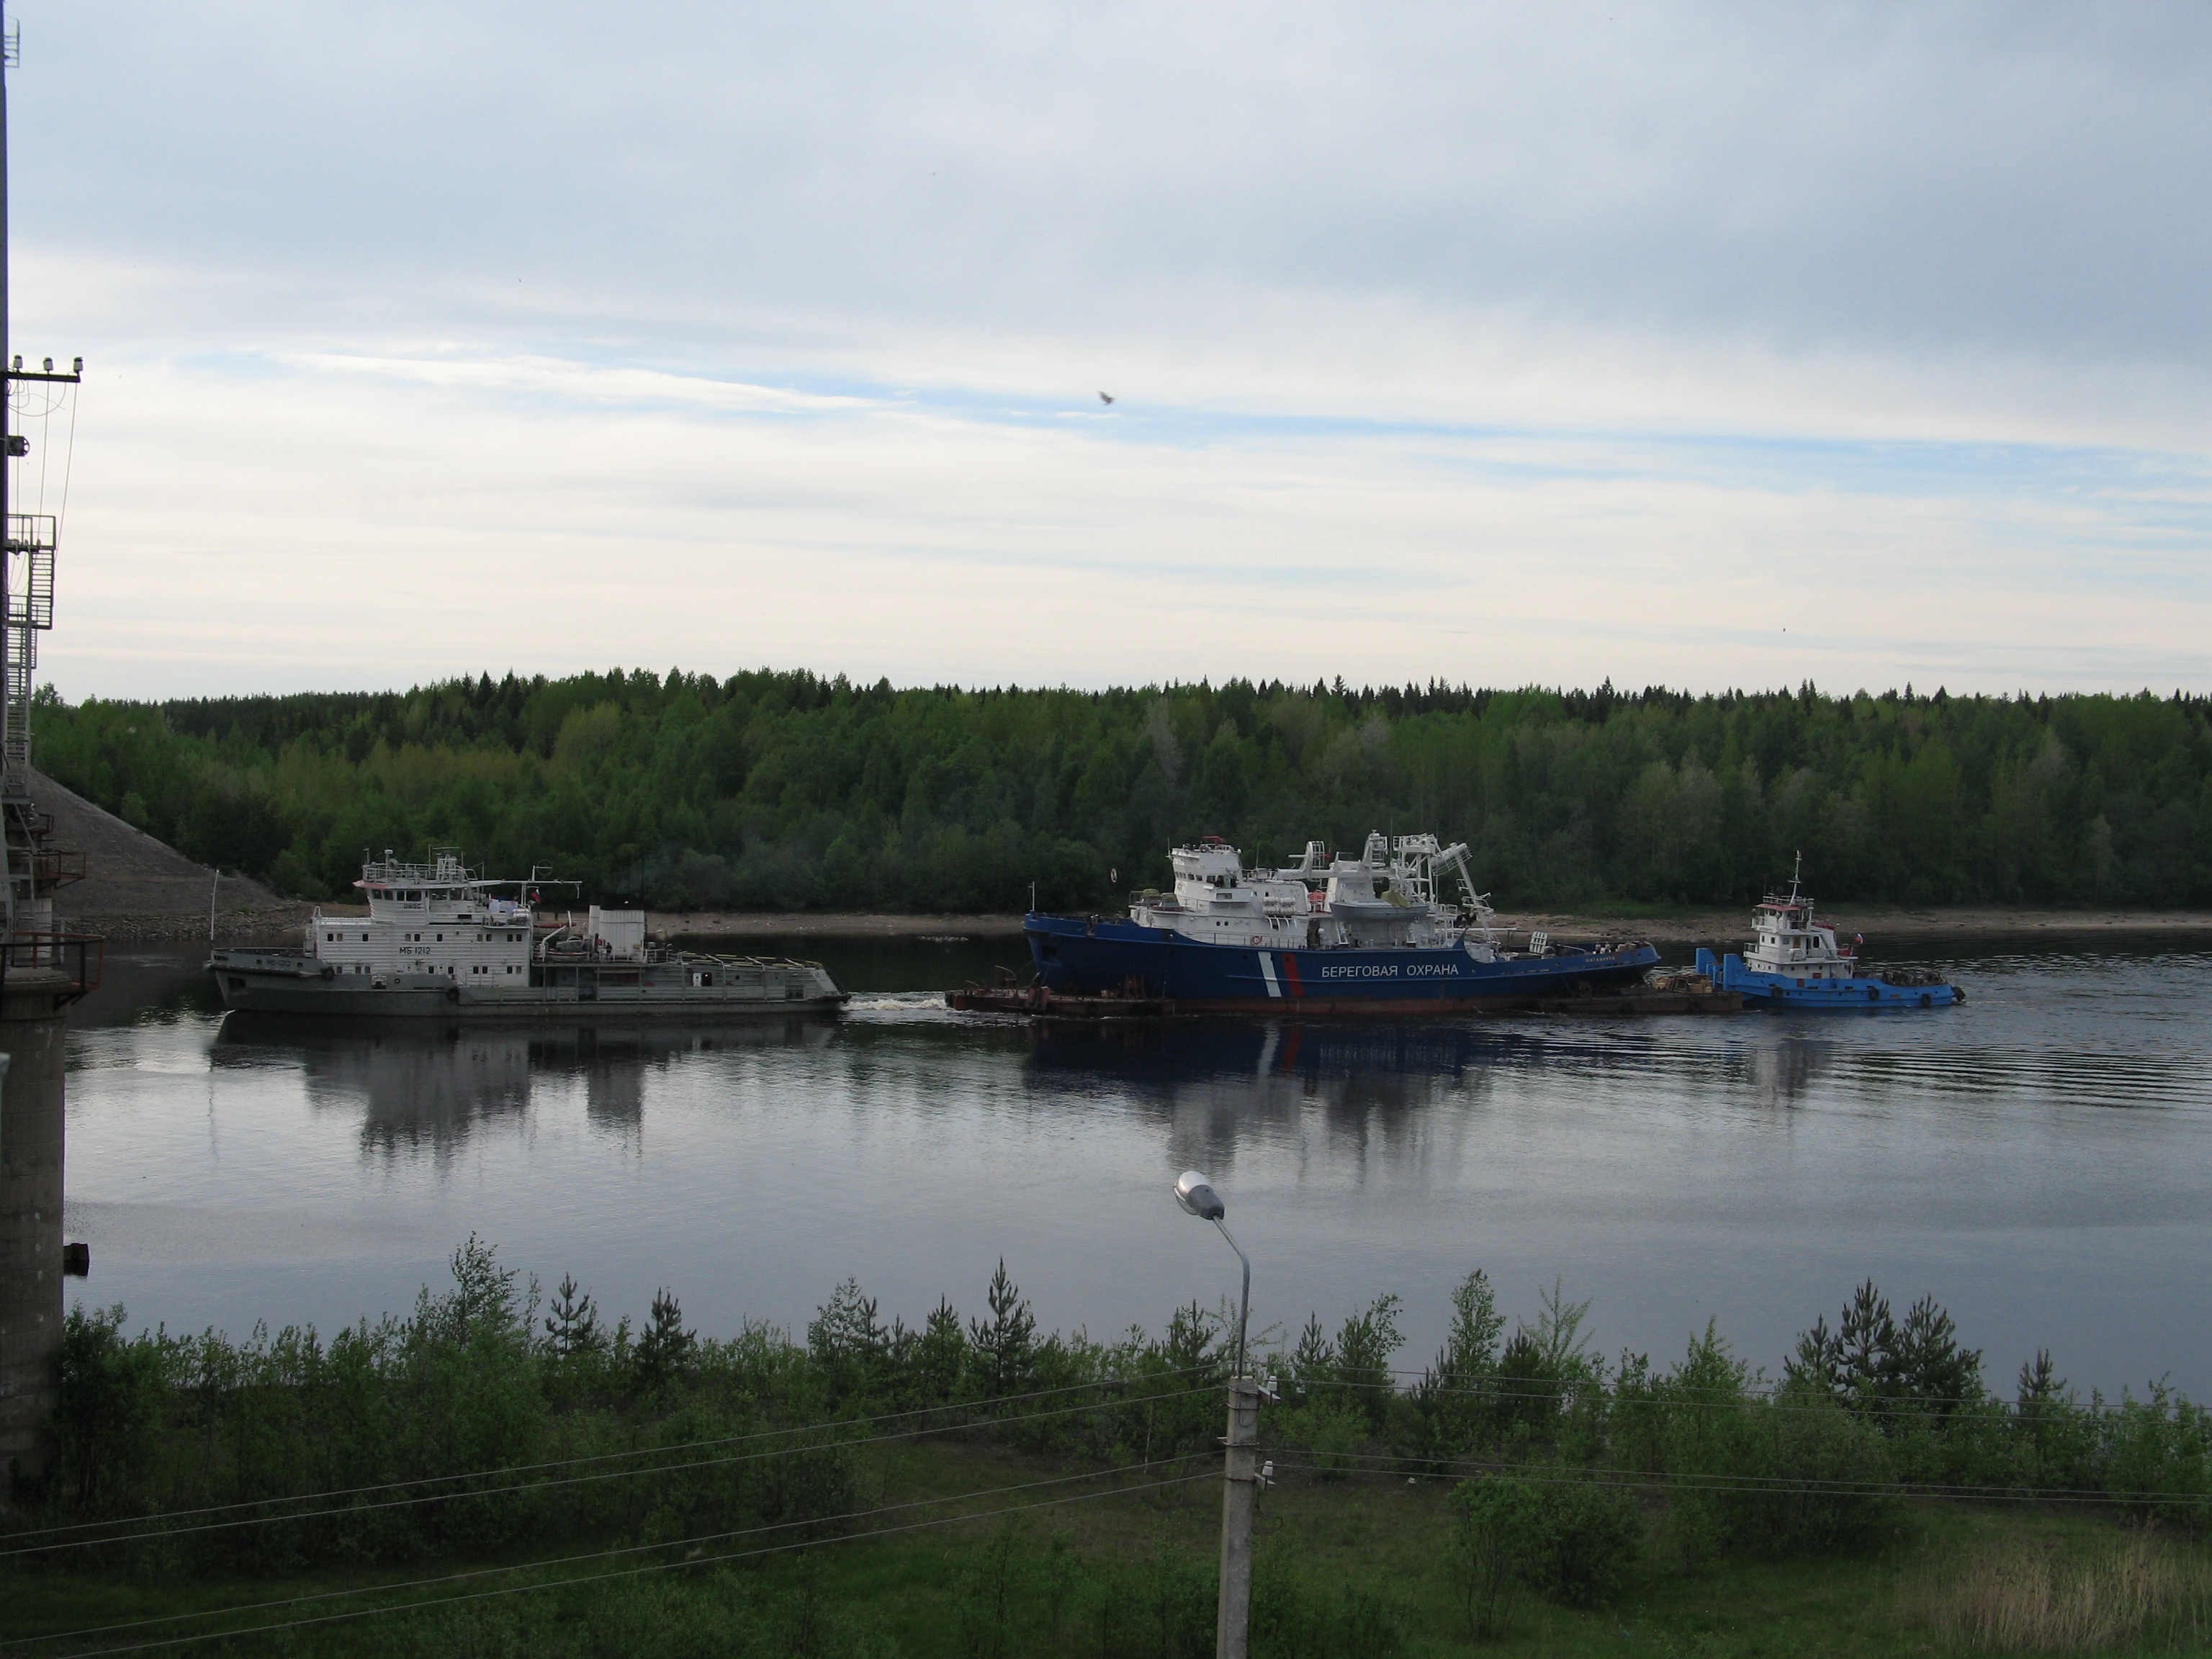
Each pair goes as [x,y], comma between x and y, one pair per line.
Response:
[27,871]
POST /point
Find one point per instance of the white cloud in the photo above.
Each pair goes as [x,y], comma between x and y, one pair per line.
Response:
[1517,342]
[321,525]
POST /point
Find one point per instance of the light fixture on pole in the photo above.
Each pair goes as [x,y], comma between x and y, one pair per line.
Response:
[1232,1619]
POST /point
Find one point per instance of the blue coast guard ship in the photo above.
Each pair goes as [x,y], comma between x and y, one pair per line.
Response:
[1365,935]
[1795,963]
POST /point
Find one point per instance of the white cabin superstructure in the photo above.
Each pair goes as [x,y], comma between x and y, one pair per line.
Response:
[1790,942]
[1388,895]
[439,917]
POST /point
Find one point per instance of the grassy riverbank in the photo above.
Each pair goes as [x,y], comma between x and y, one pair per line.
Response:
[502,1471]
[1363,1567]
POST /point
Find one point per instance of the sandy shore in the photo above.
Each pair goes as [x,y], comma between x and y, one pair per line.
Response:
[1692,927]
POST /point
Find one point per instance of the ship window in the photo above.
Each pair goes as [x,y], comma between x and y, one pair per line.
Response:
[441,939]
[364,938]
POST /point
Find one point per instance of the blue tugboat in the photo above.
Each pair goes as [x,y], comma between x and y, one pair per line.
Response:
[1795,963]
[1369,935]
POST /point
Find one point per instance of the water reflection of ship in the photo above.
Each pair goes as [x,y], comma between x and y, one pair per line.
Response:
[1214,1083]
[1183,1050]
[1376,1085]
[1784,1070]
[425,1086]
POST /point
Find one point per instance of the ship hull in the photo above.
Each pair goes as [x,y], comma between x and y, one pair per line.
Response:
[1090,958]
[1826,993]
[274,982]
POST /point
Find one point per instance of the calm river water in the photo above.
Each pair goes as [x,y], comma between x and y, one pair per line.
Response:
[2038,1159]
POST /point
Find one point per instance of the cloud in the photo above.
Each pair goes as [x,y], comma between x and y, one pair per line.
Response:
[318,525]
[1552,341]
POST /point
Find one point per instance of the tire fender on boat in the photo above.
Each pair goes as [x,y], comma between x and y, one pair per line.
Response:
[452,993]
[330,972]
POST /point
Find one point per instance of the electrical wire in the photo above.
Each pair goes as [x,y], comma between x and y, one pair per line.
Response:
[648,1451]
[45,432]
[628,1550]
[1413,1468]
[630,1573]
[1424,1372]
[158,1532]
[1771,1398]
[69,463]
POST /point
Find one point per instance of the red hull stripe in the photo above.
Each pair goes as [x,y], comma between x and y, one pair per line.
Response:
[1291,973]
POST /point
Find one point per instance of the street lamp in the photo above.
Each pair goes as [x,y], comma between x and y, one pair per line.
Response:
[1196,1195]
[1232,1618]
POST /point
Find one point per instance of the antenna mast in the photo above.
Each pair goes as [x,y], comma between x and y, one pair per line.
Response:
[29,872]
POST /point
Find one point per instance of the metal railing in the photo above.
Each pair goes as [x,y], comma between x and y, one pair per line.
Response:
[64,966]
[55,867]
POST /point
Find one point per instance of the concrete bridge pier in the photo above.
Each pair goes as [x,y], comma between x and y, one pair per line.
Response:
[31,1096]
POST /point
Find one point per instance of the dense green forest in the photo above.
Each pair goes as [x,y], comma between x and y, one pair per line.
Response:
[786,791]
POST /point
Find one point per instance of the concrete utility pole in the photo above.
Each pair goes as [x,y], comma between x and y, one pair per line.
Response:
[30,1217]
[1240,1490]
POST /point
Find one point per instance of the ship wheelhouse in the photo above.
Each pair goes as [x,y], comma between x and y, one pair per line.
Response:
[437,919]
[1790,942]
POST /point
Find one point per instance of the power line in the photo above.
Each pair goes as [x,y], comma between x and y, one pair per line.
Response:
[1766,1483]
[630,1573]
[648,1451]
[1425,1372]
[632,1549]
[1770,1398]
[150,1531]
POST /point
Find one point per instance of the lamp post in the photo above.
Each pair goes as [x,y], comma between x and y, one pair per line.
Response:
[1241,1481]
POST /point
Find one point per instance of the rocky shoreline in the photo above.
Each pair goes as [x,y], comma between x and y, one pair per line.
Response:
[280,922]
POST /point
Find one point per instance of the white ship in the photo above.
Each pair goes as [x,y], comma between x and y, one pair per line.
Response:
[441,940]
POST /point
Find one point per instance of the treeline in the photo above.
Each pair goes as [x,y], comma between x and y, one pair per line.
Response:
[784,790]
[489,1425]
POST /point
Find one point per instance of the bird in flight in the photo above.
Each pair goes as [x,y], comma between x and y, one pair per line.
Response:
[1106,397]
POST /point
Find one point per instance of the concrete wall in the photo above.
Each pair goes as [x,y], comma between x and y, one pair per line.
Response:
[31,1096]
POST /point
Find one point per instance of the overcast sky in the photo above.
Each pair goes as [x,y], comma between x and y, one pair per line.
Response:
[1703,346]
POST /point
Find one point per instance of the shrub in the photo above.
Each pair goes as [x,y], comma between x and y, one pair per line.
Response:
[111,1394]
[1565,1534]
[1494,1523]
[1795,1475]
[1291,1620]
[1589,1539]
